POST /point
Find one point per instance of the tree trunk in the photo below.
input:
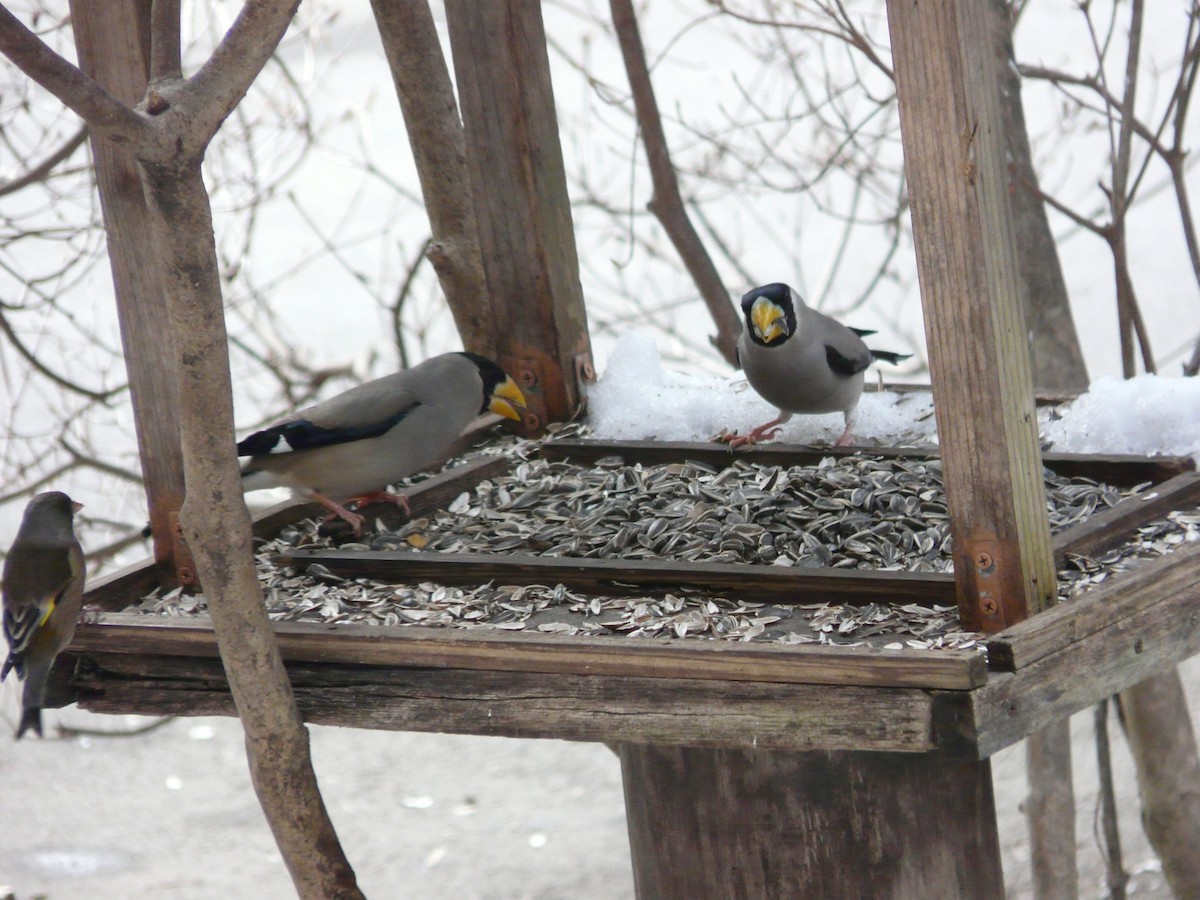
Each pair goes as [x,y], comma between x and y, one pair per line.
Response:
[1055,355]
[217,526]
[168,134]
[435,133]
[1159,728]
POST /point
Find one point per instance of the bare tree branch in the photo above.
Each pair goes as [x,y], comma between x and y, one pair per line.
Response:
[217,526]
[435,132]
[39,172]
[1111,835]
[223,80]
[165,52]
[104,114]
[1192,366]
[666,203]
[33,360]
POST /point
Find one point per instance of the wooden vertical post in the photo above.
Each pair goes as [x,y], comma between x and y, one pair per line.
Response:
[951,124]
[113,43]
[520,188]
[731,823]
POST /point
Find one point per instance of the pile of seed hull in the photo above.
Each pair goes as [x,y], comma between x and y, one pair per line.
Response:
[855,512]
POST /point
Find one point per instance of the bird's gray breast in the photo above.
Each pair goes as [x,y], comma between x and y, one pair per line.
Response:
[795,377]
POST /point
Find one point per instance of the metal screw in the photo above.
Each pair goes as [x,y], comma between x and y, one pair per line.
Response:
[532,421]
[984,560]
[988,606]
[527,378]
[186,575]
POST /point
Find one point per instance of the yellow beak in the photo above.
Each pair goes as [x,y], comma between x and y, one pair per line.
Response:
[769,320]
[505,398]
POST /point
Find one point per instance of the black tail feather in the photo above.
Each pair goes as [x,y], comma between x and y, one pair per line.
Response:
[889,356]
[30,718]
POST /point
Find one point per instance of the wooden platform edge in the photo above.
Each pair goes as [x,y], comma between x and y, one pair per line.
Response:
[621,709]
[550,654]
[1161,629]
[1107,528]
[1127,594]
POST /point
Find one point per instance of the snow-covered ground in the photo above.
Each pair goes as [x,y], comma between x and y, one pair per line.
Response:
[638,398]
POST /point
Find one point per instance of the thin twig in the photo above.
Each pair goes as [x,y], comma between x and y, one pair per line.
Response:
[71,731]
[666,202]
[1111,837]
[39,172]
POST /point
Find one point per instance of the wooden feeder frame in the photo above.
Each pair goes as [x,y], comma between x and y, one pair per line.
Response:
[750,770]
[682,692]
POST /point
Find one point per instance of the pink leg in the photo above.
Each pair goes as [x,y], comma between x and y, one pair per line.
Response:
[763,432]
[337,511]
[845,440]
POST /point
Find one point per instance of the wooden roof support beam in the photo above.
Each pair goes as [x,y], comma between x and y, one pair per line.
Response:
[978,351]
[515,163]
[114,50]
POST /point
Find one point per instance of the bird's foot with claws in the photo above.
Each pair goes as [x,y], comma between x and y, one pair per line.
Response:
[754,436]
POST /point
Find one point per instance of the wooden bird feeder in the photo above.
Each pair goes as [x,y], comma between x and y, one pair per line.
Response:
[750,770]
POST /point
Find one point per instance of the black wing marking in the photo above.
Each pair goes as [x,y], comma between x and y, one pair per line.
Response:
[843,365]
[889,356]
[301,434]
[861,332]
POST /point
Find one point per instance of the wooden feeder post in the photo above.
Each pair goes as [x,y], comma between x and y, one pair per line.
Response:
[954,158]
[115,51]
[520,189]
[706,824]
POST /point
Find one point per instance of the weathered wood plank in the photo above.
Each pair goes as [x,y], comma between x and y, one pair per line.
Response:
[1110,527]
[1086,670]
[521,704]
[519,652]
[783,585]
[113,47]
[1127,594]
[1118,470]
[519,185]
[759,824]
[952,129]
[116,590]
